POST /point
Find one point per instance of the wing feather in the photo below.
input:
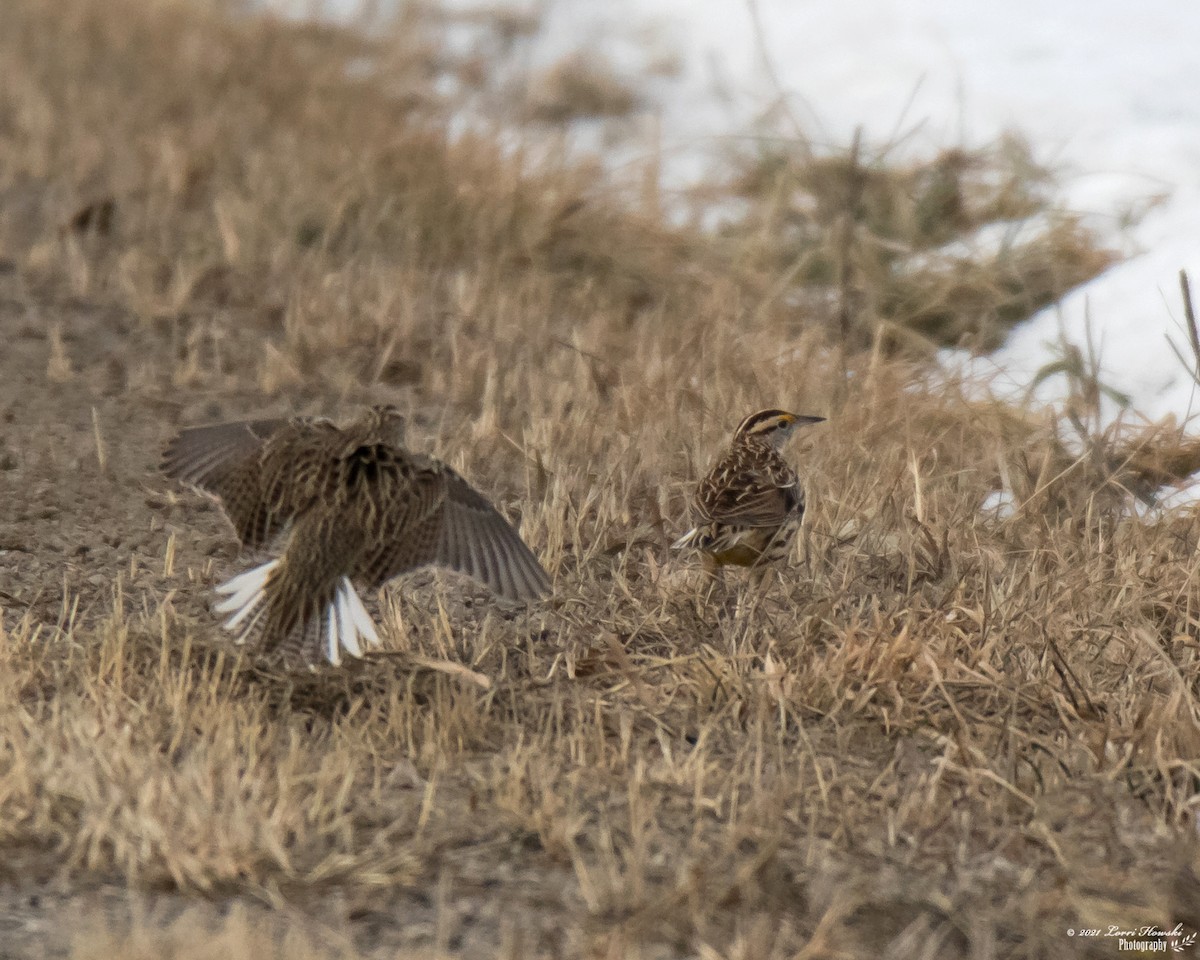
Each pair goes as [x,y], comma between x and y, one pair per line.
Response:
[469,536]
[754,505]
[468,517]
[748,491]
[225,461]
[202,456]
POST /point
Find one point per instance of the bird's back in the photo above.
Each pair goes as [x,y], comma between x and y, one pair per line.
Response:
[748,507]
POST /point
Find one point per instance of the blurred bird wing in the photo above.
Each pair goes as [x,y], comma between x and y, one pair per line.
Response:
[226,461]
[202,456]
[476,540]
[451,524]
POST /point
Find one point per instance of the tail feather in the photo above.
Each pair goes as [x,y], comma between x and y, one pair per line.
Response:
[246,593]
[339,612]
[333,648]
[244,586]
[693,538]
[354,625]
[346,622]
[348,626]
[363,623]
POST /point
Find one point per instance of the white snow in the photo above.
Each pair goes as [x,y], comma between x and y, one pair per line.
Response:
[1107,92]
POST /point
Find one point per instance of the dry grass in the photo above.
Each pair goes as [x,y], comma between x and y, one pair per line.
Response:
[942,733]
[580,86]
[951,250]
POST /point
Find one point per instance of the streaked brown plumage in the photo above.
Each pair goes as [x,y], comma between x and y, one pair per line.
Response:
[749,507]
[336,505]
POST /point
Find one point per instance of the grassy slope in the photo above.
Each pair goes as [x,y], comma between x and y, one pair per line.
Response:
[943,734]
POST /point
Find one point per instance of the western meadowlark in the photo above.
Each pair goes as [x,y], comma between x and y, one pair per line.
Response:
[751,504]
[335,505]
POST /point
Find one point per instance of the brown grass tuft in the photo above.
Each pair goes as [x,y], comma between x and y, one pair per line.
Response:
[580,86]
[952,250]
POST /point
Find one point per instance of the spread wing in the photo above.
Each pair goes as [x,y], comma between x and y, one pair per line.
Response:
[225,461]
[204,456]
[740,494]
[406,511]
[441,519]
[476,540]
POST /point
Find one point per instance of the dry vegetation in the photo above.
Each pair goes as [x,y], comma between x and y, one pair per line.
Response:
[944,733]
[949,250]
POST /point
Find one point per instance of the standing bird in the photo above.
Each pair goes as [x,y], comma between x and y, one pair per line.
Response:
[750,506]
[339,505]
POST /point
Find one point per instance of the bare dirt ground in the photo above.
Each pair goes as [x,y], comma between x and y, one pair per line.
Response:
[941,732]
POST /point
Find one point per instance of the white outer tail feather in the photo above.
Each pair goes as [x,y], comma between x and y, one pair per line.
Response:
[686,539]
[700,539]
[347,623]
[348,626]
[245,592]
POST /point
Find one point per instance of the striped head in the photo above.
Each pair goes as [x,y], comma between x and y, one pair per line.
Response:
[773,426]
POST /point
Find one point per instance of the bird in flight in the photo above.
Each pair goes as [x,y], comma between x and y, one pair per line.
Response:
[335,506]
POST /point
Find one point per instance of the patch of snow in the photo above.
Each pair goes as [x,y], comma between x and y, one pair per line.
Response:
[1103,89]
